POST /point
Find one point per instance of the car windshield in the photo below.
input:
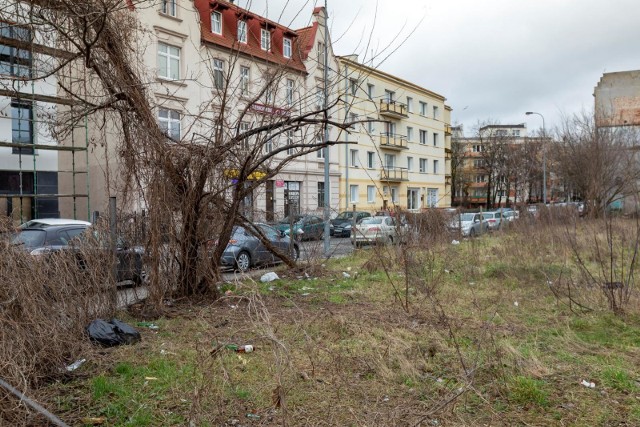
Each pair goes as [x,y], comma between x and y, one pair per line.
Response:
[296,218]
[466,217]
[371,221]
[30,238]
[345,215]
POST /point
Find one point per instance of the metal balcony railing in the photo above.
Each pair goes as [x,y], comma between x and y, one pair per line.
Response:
[392,173]
[393,141]
[393,109]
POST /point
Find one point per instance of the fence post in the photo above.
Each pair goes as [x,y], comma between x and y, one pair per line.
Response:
[113,235]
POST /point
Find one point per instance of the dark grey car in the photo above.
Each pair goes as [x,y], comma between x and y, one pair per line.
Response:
[41,239]
[245,250]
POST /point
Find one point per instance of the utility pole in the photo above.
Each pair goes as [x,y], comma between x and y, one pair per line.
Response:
[544,156]
[327,183]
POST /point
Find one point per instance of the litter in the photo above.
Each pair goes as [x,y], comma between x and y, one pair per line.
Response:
[455,242]
[93,420]
[75,365]
[345,274]
[269,277]
[516,303]
[253,416]
[147,325]
[112,333]
[447,271]
[588,384]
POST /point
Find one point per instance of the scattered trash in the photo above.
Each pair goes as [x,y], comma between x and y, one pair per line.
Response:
[151,378]
[253,416]
[345,274]
[472,283]
[588,384]
[306,294]
[233,307]
[75,365]
[147,325]
[385,399]
[269,277]
[304,376]
[165,352]
[516,303]
[112,333]
[94,420]
[272,288]
[228,292]
[239,348]
[455,242]
[348,268]
[306,288]
[439,380]
[447,271]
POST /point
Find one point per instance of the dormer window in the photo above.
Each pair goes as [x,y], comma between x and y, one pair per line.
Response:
[169,7]
[265,39]
[242,31]
[286,47]
[216,23]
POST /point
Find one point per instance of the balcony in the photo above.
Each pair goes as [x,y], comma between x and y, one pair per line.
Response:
[391,173]
[447,130]
[447,153]
[393,109]
[447,179]
[391,141]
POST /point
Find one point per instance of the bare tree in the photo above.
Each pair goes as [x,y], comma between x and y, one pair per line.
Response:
[599,163]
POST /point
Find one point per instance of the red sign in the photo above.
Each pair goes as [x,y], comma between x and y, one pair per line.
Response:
[279,183]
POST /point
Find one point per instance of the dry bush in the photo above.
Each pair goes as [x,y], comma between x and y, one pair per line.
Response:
[46,302]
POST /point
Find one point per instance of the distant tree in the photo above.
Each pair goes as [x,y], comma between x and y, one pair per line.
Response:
[459,175]
[599,163]
[493,155]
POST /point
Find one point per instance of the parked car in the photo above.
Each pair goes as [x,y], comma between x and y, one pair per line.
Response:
[305,227]
[493,220]
[46,237]
[245,250]
[341,225]
[469,224]
[378,229]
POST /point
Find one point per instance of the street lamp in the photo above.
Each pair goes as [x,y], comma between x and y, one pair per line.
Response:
[544,157]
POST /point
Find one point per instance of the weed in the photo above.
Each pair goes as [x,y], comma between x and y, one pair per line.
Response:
[618,379]
[528,391]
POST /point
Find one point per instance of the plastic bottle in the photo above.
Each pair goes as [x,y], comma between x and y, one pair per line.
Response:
[240,348]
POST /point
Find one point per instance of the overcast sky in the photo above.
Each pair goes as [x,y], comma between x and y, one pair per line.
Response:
[492,59]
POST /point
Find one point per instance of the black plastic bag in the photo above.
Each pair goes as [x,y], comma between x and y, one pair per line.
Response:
[112,333]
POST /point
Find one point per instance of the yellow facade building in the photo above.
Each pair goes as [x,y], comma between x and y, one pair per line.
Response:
[398,151]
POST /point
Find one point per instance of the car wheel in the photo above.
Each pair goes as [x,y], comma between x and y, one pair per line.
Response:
[243,261]
[296,253]
[390,240]
[472,233]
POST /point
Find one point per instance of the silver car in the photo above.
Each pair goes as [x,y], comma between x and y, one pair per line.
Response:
[470,224]
[376,229]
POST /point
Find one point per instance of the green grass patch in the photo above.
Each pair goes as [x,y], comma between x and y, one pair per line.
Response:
[528,391]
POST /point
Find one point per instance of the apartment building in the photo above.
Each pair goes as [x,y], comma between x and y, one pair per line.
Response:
[617,99]
[28,105]
[398,151]
[213,62]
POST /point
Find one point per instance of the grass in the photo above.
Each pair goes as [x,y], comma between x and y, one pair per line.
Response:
[336,350]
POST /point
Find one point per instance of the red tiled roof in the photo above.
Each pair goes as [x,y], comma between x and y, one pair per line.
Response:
[305,41]
[228,39]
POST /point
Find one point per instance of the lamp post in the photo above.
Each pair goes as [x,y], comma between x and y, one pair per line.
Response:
[544,157]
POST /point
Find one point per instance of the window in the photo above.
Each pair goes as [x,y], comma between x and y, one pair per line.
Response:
[371,159]
[265,39]
[354,119]
[432,197]
[478,163]
[216,23]
[353,85]
[14,61]
[289,136]
[244,80]
[423,165]
[289,92]
[412,198]
[169,122]
[477,148]
[516,132]
[423,136]
[370,125]
[423,108]
[390,128]
[371,193]
[389,96]
[286,47]
[319,98]
[409,164]
[409,133]
[268,144]
[409,104]
[394,195]
[243,128]
[321,153]
[320,55]
[435,112]
[218,73]
[168,61]
[242,31]
[353,192]
[321,194]
[481,178]
[354,158]
[435,139]
[435,166]
[370,90]
[389,160]
[22,126]
[169,7]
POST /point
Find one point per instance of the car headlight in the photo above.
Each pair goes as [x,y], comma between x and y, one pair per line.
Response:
[347,227]
[39,251]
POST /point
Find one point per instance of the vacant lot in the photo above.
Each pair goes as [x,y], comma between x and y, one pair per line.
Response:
[500,330]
